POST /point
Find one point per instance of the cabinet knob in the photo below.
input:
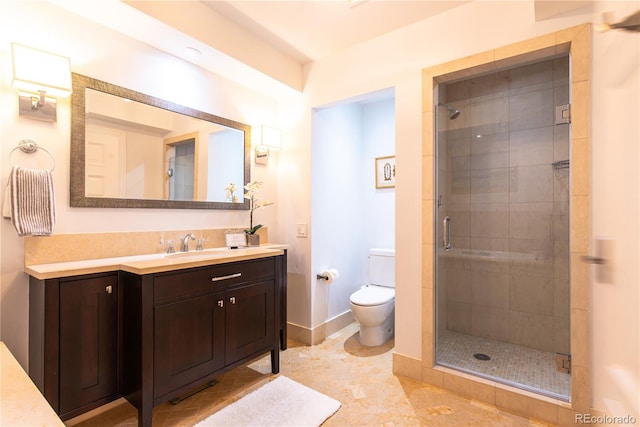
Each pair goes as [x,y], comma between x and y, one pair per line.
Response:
[232,300]
[109,289]
[220,303]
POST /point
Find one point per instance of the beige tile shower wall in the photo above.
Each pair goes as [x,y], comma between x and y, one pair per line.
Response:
[77,247]
[503,195]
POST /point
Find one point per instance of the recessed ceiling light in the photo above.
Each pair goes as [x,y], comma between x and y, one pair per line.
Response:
[354,3]
[191,51]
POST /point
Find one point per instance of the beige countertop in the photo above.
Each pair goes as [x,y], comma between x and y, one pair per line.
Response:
[21,403]
[153,263]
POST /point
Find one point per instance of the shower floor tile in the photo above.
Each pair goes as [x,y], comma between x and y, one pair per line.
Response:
[516,365]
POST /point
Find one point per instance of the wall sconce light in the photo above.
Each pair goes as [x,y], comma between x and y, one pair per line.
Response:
[267,139]
[40,76]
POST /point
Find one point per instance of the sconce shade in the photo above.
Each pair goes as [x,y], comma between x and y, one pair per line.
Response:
[35,70]
[269,137]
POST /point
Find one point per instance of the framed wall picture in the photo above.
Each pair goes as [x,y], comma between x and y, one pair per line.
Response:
[386,172]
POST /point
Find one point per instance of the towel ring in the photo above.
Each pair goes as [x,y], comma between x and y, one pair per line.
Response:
[28,146]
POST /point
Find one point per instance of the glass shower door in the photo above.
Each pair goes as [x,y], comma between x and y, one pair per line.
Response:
[502,264]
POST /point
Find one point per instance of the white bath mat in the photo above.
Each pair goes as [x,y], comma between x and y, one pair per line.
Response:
[281,402]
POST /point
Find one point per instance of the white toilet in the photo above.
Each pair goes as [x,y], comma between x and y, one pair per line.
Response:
[373,305]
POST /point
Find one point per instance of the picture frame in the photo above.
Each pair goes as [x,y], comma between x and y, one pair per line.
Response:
[235,239]
[386,172]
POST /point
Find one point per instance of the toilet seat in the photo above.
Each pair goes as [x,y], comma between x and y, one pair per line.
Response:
[373,295]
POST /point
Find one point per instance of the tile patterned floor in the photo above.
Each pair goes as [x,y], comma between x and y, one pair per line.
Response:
[517,365]
[359,377]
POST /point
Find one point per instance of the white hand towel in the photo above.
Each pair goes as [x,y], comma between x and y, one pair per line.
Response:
[33,205]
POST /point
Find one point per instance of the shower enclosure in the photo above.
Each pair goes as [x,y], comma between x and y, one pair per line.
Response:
[502,261]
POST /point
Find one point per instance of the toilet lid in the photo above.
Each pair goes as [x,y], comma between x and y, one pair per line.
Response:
[373,295]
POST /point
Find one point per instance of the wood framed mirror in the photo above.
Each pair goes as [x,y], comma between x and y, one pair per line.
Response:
[131,150]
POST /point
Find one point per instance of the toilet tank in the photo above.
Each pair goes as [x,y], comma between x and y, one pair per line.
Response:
[382,267]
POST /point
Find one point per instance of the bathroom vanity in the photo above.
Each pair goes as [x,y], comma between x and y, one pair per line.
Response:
[152,328]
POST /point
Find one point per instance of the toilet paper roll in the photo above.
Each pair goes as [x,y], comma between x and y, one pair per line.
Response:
[331,275]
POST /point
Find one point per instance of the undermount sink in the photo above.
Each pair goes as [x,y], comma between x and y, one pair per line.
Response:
[192,254]
[207,252]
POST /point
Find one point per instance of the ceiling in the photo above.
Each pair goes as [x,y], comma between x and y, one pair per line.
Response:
[311,30]
[265,43]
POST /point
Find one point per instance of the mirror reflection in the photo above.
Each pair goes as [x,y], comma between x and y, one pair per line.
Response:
[133,150]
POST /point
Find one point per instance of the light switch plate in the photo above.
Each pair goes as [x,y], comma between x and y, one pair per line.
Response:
[301,230]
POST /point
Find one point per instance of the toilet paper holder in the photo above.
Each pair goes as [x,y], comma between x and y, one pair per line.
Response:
[328,275]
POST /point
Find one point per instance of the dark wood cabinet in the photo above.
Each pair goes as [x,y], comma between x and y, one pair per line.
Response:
[194,324]
[196,336]
[75,364]
[153,337]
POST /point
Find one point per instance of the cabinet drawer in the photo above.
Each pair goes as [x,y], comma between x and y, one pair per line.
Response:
[200,280]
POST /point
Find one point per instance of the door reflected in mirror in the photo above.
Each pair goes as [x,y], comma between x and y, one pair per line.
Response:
[181,180]
[137,151]
[134,150]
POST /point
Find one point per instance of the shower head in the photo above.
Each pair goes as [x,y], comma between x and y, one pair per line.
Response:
[453,113]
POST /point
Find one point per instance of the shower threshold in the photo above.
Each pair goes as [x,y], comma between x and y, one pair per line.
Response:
[510,364]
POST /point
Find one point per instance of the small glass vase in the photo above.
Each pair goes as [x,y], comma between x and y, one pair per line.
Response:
[253,240]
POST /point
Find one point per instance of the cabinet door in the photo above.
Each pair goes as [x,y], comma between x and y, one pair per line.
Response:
[250,320]
[188,341]
[88,341]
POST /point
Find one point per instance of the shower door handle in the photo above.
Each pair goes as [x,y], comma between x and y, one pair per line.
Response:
[446,233]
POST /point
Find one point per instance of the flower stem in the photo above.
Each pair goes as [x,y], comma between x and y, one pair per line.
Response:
[251,215]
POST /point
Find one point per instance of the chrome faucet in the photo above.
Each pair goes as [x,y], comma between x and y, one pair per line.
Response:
[185,242]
